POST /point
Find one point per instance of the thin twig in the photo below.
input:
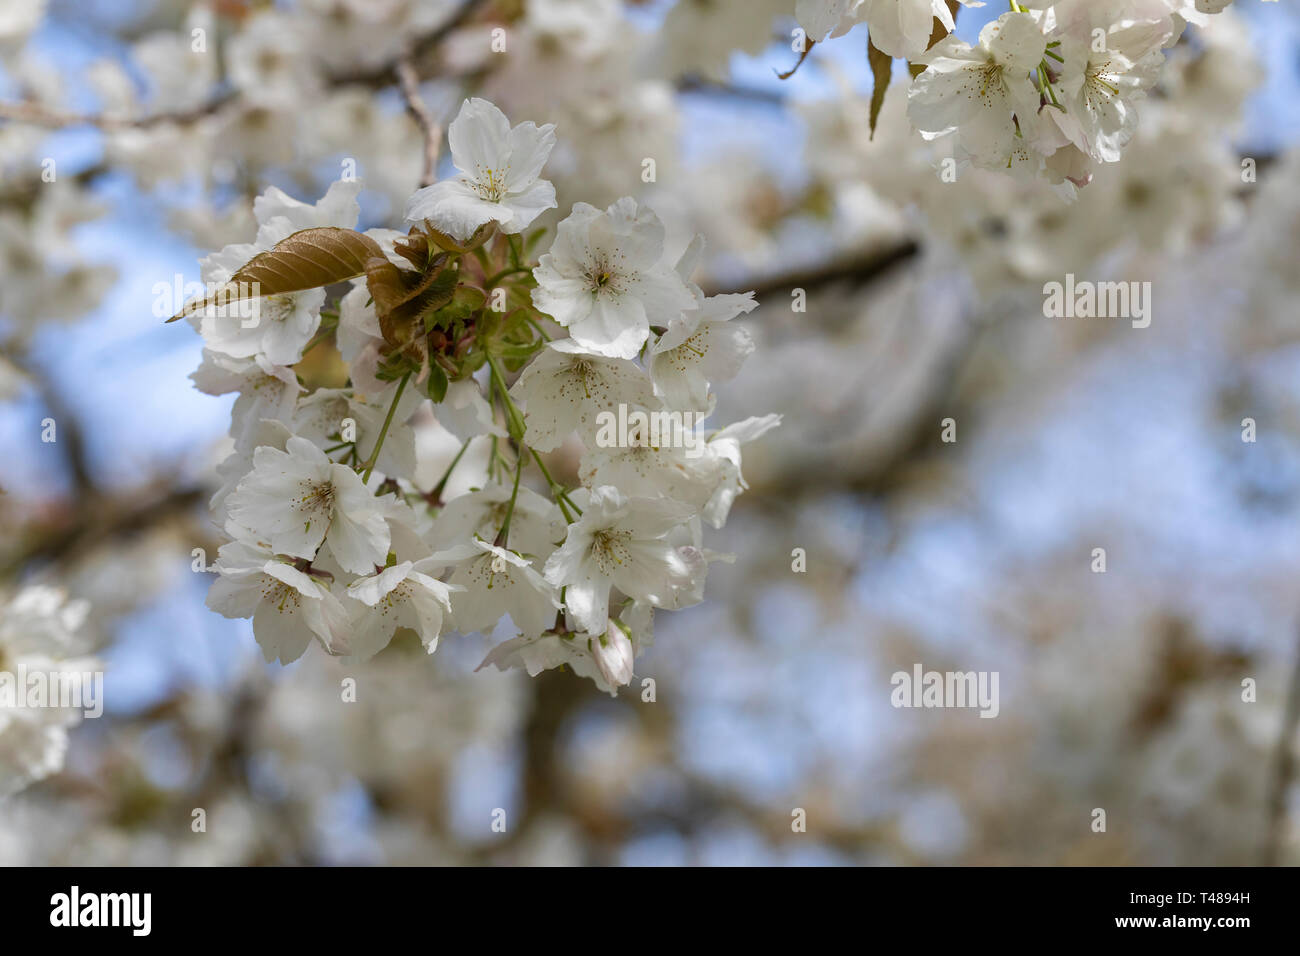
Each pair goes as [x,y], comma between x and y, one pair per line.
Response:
[409,81]
[34,114]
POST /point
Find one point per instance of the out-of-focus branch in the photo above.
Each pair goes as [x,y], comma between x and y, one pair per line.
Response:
[854,272]
[385,73]
[93,516]
[556,696]
[883,473]
[35,114]
[698,84]
[409,81]
[70,438]
[1283,773]
[94,521]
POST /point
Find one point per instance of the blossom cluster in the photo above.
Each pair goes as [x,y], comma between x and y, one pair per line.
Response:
[1050,89]
[336,530]
[42,652]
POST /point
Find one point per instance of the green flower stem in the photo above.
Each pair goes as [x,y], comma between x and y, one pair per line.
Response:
[517,428]
[383,432]
[503,538]
[436,493]
[1045,85]
[491,281]
[557,490]
[325,333]
[537,327]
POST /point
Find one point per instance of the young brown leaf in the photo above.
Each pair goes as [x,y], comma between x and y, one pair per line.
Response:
[937,34]
[881,71]
[308,259]
[798,63]
[401,297]
[447,243]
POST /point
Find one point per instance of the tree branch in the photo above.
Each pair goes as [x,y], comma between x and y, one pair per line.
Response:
[34,114]
[1283,773]
[409,81]
[855,272]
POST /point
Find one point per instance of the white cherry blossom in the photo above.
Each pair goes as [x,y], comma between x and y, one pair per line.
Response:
[618,541]
[324,415]
[492,581]
[701,347]
[297,500]
[288,606]
[498,180]
[982,93]
[606,657]
[404,595]
[822,18]
[605,278]
[277,327]
[266,391]
[40,633]
[536,525]
[565,387]
[903,27]
[342,533]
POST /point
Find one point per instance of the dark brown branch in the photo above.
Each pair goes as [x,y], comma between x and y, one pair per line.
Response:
[853,272]
[95,520]
[1283,773]
[69,436]
[698,84]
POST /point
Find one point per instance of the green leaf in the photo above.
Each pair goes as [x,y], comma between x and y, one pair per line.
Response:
[465,302]
[531,241]
[435,386]
[308,259]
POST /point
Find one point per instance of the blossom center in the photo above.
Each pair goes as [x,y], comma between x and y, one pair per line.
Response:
[280,307]
[609,549]
[604,278]
[1097,88]
[285,597]
[990,80]
[689,353]
[491,184]
[316,498]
